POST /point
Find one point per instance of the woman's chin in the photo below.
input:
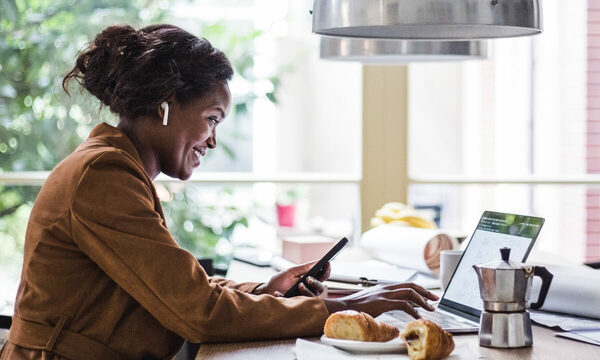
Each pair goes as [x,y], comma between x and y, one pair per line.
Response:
[184,175]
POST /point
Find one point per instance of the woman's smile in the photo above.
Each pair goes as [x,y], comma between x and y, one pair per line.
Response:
[197,153]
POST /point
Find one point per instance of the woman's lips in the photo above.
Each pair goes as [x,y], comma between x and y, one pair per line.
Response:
[196,157]
[197,153]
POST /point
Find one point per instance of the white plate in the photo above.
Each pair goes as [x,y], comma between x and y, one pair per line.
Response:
[394,345]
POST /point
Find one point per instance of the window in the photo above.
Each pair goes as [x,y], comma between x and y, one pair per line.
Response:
[516,132]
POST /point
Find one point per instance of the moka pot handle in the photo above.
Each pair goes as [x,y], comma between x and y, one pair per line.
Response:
[546,277]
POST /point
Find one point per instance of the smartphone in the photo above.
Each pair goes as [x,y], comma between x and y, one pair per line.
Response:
[294,291]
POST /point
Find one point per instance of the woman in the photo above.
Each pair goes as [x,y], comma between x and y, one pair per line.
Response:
[102,277]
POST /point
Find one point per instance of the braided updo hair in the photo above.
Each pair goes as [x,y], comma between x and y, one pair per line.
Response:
[133,71]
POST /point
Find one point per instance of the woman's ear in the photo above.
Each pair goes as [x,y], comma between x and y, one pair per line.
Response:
[165,107]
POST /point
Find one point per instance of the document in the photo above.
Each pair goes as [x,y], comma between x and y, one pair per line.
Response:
[588,336]
[563,321]
[576,328]
[372,271]
[359,272]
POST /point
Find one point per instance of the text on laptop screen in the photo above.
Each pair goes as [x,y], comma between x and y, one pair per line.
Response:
[494,231]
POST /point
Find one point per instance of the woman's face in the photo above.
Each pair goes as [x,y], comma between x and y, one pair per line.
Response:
[191,131]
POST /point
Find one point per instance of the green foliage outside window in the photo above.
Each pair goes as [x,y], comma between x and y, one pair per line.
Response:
[40,125]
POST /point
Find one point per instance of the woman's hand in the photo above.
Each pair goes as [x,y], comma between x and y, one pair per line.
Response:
[281,282]
[379,299]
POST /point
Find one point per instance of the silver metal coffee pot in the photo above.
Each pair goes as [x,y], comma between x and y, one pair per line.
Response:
[505,288]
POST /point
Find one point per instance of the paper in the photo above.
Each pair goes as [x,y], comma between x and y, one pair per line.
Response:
[354,270]
[574,290]
[562,321]
[409,247]
[370,269]
[590,337]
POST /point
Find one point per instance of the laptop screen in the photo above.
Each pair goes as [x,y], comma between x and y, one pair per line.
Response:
[494,231]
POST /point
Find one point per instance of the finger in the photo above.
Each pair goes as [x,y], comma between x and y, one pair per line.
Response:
[277,294]
[305,290]
[419,300]
[325,273]
[412,295]
[423,292]
[407,308]
[419,289]
[315,286]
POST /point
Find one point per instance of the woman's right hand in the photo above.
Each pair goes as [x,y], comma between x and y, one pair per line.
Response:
[379,299]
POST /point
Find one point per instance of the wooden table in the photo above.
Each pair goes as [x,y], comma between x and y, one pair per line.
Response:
[546,346]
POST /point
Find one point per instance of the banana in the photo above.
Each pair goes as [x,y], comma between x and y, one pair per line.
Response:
[399,213]
[418,222]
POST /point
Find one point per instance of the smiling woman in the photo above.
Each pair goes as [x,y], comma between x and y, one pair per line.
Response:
[99,261]
[102,276]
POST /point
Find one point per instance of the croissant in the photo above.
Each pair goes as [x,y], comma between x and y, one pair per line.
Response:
[354,325]
[426,340]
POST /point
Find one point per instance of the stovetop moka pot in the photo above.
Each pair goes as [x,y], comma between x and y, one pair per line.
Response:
[505,288]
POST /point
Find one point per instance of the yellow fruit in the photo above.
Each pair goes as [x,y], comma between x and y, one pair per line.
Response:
[394,212]
[418,222]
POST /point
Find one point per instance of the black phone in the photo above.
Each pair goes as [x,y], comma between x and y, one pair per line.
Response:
[294,291]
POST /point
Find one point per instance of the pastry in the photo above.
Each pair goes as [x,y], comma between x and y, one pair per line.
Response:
[359,326]
[426,340]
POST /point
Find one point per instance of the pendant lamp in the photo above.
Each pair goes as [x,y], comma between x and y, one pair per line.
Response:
[427,19]
[377,51]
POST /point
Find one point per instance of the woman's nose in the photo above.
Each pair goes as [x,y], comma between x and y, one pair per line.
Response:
[212,140]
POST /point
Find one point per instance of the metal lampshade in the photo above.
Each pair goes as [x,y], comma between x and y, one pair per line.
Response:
[376,51]
[427,19]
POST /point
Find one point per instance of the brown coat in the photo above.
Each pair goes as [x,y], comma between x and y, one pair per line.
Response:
[103,277]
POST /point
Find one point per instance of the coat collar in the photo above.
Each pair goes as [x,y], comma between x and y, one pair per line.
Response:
[117,139]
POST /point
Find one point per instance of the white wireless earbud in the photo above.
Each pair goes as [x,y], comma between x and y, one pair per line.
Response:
[165,107]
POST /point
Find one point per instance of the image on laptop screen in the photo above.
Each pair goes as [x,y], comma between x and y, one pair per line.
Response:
[494,231]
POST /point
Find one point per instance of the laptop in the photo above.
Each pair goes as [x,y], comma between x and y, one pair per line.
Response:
[461,305]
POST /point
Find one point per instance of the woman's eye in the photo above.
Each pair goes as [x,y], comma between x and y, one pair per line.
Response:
[214,120]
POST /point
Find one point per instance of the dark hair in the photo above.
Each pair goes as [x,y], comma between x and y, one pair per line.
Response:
[132,72]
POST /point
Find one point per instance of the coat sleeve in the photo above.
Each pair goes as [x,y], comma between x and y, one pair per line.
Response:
[115,223]
[245,287]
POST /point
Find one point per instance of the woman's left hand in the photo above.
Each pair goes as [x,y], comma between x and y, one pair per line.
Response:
[281,282]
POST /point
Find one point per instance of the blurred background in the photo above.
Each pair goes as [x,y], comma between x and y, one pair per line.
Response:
[518,132]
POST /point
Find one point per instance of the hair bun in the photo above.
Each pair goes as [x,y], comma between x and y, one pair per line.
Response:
[133,71]
[118,39]
[101,66]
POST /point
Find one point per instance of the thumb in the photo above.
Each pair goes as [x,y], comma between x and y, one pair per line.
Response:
[277,294]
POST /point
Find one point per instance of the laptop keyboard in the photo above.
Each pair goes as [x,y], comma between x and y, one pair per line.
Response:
[399,319]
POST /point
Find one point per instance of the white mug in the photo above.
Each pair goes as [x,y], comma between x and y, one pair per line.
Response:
[448,261]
